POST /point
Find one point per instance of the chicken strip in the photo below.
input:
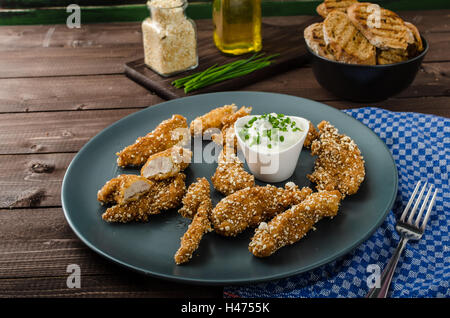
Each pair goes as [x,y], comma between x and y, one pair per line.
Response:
[169,133]
[197,193]
[227,137]
[163,195]
[167,163]
[251,206]
[312,135]
[199,226]
[230,175]
[290,226]
[210,120]
[124,188]
[339,165]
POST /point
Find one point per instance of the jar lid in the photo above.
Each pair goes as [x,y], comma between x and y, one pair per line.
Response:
[166,4]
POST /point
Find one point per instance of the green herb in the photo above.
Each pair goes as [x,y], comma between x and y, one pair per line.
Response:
[215,74]
[281,138]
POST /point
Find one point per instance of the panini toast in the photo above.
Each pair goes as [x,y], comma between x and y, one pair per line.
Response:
[314,39]
[383,28]
[391,56]
[347,43]
[322,10]
[340,5]
[416,45]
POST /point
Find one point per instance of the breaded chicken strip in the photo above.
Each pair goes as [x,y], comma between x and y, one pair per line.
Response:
[197,193]
[169,133]
[251,206]
[167,163]
[312,135]
[124,188]
[339,165]
[163,195]
[227,137]
[230,175]
[290,226]
[213,119]
[199,226]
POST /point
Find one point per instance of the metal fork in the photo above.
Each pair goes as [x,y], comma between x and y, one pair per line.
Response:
[408,230]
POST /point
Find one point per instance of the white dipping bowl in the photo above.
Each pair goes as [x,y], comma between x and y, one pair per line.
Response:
[272,166]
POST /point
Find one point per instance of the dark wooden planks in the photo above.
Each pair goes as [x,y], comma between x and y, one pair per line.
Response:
[89,50]
[117,91]
[53,131]
[427,105]
[32,180]
[432,80]
[38,245]
[120,285]
[128,33]
[61,61]
[89,35]
[73,93]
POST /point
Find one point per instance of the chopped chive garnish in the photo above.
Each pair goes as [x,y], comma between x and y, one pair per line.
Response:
[281,138]
[247,137]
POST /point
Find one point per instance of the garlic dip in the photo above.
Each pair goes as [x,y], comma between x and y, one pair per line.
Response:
[270,132]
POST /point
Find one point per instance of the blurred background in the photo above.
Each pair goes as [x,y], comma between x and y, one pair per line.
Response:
[13,12]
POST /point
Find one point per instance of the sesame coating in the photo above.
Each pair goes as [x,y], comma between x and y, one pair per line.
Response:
[227,137]
[179,158]
[339,165]
[312,135]
[197,193]
[199,226]
[290,226]
[166,135]
[212,119]
[250,206]
[163,195]
[114,190]
[230,175]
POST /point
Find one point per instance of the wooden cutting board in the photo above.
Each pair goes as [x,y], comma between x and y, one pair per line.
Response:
[285,40]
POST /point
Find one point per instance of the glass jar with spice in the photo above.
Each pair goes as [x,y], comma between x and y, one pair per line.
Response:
[169,37]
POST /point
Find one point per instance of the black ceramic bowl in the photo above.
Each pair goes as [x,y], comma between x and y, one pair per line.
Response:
[365,83]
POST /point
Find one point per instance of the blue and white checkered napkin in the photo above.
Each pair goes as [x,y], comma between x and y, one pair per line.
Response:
[420,145]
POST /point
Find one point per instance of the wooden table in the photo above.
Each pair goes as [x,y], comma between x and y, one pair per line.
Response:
[60,87]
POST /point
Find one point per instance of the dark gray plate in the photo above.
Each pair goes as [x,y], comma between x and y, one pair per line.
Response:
[149,248]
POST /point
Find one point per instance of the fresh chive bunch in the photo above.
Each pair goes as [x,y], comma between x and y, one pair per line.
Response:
[215,74]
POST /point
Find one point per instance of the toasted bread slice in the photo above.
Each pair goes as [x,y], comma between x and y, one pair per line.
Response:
[346,42]
[383,28]
[391,56]
[314,38]
[321,10]
[415,46]
[416,39]
[340,5]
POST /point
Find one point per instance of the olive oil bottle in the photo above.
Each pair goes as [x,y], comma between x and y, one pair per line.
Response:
[237,26]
